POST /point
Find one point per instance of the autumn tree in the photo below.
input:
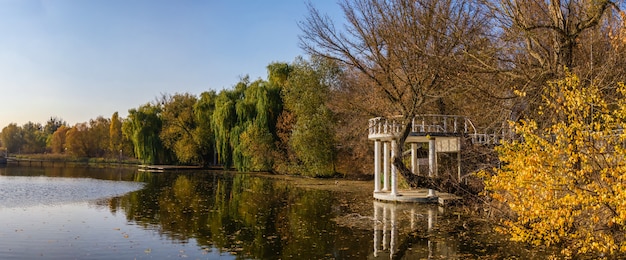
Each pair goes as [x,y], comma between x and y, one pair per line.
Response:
[99,137]
[116,139]
[410,51]
[564,184]
[552,33]
[58,139]
[12,138]
[283,155]
[77,141]
[51,126]
[538,40]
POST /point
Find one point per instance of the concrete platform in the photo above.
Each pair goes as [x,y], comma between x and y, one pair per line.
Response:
[417,196]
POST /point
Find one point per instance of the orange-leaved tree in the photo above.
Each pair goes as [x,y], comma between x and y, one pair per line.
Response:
[564,180]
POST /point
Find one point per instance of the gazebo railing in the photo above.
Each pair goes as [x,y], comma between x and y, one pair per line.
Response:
[381,127]
[443,124]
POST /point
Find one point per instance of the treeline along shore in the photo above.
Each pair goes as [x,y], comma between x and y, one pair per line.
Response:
[550,74]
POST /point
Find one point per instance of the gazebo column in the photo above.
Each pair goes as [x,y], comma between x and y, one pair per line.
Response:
[394,171]
[432,162]
[377,166]
[415,165]
[377,208]
[386,166]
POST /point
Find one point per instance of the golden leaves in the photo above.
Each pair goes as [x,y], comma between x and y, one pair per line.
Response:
[565,183]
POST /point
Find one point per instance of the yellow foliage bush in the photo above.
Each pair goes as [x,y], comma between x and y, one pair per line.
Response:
[565,182]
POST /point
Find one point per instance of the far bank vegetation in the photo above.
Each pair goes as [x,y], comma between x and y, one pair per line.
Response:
[548,73]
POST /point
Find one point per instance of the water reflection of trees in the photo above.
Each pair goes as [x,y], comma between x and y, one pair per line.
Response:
[120,174]
[245,215]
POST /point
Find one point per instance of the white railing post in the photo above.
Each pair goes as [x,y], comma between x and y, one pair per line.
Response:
[456,118]
[385,126]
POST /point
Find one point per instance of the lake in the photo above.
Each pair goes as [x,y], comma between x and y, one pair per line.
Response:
[121,213]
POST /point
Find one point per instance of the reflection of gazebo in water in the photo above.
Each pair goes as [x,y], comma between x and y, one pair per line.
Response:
[442,133]
[401,231]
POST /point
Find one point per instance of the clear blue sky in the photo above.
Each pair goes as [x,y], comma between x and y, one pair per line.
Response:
[79,59]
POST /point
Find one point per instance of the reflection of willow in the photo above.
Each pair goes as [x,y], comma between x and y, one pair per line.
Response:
[390,219]
[266,219]
[251,216]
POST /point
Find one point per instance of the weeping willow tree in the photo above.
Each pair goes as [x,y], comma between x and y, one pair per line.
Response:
[224,119]
[204,133]
[143,127]
[244,124]
[258,139]
[246,114]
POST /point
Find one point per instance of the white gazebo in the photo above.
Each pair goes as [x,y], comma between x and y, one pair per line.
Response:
[441,133]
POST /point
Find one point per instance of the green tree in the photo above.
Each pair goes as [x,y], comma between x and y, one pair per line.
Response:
[116,139]
[244,122]
[12,138]
[34,138]
[179,127]
[564,183]
[312,138]
[204,134]
[143,127]
[53,124]
[257,141]
[224,119]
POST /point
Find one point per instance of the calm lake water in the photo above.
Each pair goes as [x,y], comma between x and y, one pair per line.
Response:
[90,213]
